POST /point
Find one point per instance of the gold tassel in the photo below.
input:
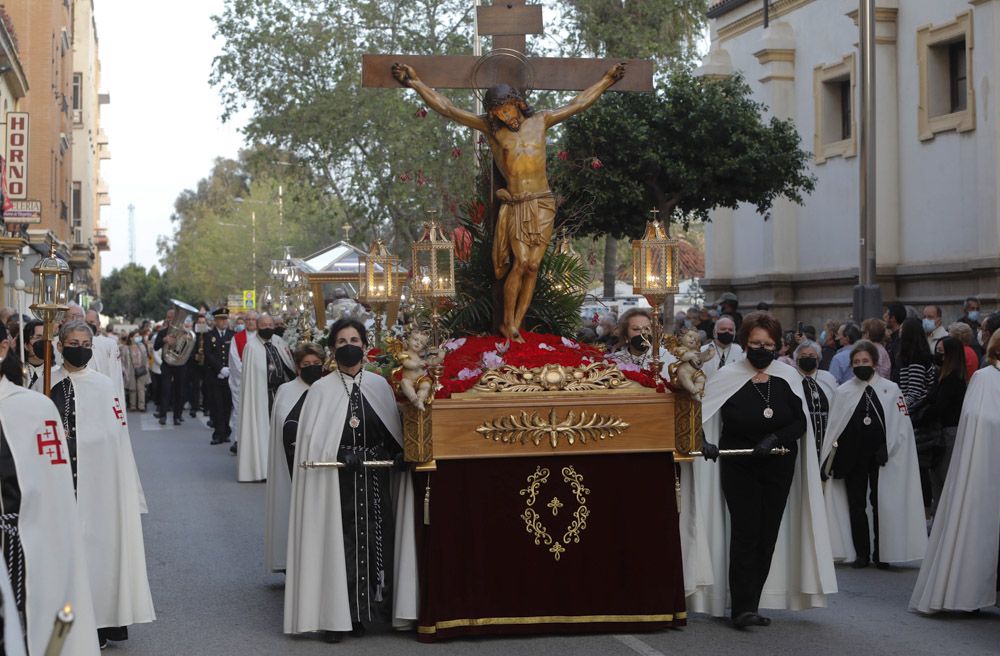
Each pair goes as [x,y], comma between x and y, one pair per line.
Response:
[427,501]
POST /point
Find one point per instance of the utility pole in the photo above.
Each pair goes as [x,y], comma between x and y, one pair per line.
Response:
[867,294]
[131,233]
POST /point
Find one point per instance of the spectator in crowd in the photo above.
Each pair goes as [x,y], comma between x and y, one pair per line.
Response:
[840,366]
[895,315]
[788,343]
[726,350]
[916,377]
[606,332]
[945,406]
[586,335]
[989,326]
[874,331]
[932,325]
[828,342]
[963,334]
[971,315]
[763,307]
[135,367]
[705,322]
[728,304]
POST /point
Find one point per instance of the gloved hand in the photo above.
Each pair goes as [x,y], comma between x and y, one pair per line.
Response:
[881,457]
[224,373]
[709,451]
[764,447]
[352,463]
[399,462]
[822,472]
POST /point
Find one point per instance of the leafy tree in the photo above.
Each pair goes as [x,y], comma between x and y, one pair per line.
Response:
[695,145]
[134,293]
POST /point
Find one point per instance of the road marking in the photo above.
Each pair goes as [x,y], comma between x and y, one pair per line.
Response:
[638,646]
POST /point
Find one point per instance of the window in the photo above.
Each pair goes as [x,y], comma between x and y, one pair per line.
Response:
[77,91]
[77,204]
[947,97]
[833,94]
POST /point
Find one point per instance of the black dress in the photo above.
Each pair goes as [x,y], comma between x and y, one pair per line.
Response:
[367,512]
[278,373]
[756,488]
[289,431]
[819,409]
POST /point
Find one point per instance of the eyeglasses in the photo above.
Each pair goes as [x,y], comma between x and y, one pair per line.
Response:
[764,345]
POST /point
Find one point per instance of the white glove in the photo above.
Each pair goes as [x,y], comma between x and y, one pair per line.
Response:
[224,373]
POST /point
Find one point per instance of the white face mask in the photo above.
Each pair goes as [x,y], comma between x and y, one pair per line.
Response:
[137,339]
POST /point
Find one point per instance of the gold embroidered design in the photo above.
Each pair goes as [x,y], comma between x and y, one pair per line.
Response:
[524,427]
[533,521]
[555,505]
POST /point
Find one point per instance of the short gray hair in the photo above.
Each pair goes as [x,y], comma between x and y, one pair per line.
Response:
[76,325]
[807,343]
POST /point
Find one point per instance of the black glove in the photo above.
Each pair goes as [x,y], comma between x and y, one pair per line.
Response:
[881,456]
[352,463]
[709,451]
[399,462]
[764,447]
[822,472]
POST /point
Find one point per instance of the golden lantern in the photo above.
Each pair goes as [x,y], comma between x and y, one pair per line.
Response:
[433,269]
[655,273]
[377,284]
[50,297]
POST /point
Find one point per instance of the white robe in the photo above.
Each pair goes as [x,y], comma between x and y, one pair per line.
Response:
[235,375]
[735,355]
[108,502]
[802,572]
[55,565]
[255,419]
[316,583]
[13,637]
[959,571]
[901,522]
[279,483]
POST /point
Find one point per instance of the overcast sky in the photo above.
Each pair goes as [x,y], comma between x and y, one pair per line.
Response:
[163,121]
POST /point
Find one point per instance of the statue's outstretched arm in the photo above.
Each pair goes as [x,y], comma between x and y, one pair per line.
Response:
[587,97]
[439,103]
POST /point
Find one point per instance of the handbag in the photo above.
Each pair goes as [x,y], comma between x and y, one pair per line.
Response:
[141,370]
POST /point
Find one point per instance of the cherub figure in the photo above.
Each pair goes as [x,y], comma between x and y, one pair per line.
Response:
[687,370]
[414,361]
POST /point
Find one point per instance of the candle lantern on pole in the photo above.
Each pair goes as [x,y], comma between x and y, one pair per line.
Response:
[50,297]
[433,267]
[377,284]
[655,274]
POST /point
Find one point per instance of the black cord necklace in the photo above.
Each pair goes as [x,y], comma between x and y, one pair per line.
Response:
[355,421]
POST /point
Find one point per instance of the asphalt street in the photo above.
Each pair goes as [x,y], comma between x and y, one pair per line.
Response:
[204,548]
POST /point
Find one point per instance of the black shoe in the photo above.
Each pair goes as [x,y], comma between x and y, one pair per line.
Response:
[232,449]
[177,421]
[211,424]
[760,620]
[102,642]
[216,440]
[194,415]
[860,563]
[880,565]
[357,629]
[163,420]
[743,620]
[333,636]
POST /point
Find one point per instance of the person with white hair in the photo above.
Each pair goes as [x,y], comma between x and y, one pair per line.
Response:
[727,350]
[818,386]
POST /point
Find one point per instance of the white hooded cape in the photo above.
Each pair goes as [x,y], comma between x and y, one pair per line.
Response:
[255,420]
[959,571]
[279,483]
[316,585]
[54,561]
[902,525]
[107,360]
[108,502]
[735,355]
[802,572]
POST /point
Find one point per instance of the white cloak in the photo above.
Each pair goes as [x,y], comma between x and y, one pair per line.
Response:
[802,572]
[235,375]
[255,420]
[13,637]
[54,561]
[735,355]
[959,571]
[315,584]
[902,527]
[279,483]
[108,501]
[107,360]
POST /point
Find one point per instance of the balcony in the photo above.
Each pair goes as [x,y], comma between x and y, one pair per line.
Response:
[103,194]
[101,240]
[103,151]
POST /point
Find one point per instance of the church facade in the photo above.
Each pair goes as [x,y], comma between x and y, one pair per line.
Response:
[938,220]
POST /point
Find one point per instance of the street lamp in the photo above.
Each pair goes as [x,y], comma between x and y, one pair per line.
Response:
[433,266]
[51,300]
[655,273]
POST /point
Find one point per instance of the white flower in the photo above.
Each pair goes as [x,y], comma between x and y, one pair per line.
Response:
[467,373]
[628,366]
[502,347]
[546,347]
[491,360]
[454,344]
[570,343]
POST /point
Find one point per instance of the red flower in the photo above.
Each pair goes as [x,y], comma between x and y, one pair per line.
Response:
[477,212]
[456,152]
[596,164]
[563,155]
[463,243]
[404,177]
[420,113]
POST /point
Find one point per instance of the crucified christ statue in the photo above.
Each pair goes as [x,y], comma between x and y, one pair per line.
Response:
[516,134]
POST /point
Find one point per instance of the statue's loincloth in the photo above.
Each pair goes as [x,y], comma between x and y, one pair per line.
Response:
[520,219]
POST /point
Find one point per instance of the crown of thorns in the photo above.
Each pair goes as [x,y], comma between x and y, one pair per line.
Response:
[500,95]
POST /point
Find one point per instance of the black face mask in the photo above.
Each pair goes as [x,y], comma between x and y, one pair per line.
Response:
[311,373]
[725,338]
[808,364]
[760,358]
[280,331]
[265,333]
[939,359]
[864,372]
[38,348]
[348,355]
[78,356]
[638,343]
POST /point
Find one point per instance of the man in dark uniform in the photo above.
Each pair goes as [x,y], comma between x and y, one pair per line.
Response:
[172,389]
[215,345]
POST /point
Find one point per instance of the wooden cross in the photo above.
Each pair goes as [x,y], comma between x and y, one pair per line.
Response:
[508,22]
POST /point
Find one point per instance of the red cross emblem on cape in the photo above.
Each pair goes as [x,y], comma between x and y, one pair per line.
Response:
[119,415]
[50,445]
[901,404]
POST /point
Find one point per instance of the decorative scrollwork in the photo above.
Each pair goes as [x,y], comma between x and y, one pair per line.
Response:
[533,522]
[553,377]
[535,482]
[575,480]
[524,427]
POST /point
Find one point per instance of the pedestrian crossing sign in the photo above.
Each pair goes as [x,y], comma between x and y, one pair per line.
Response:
[249,299]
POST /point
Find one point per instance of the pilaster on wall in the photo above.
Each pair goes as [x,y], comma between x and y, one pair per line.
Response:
[776,56]
[717,64]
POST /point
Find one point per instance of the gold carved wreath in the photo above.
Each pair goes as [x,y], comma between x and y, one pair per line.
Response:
[533,521]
